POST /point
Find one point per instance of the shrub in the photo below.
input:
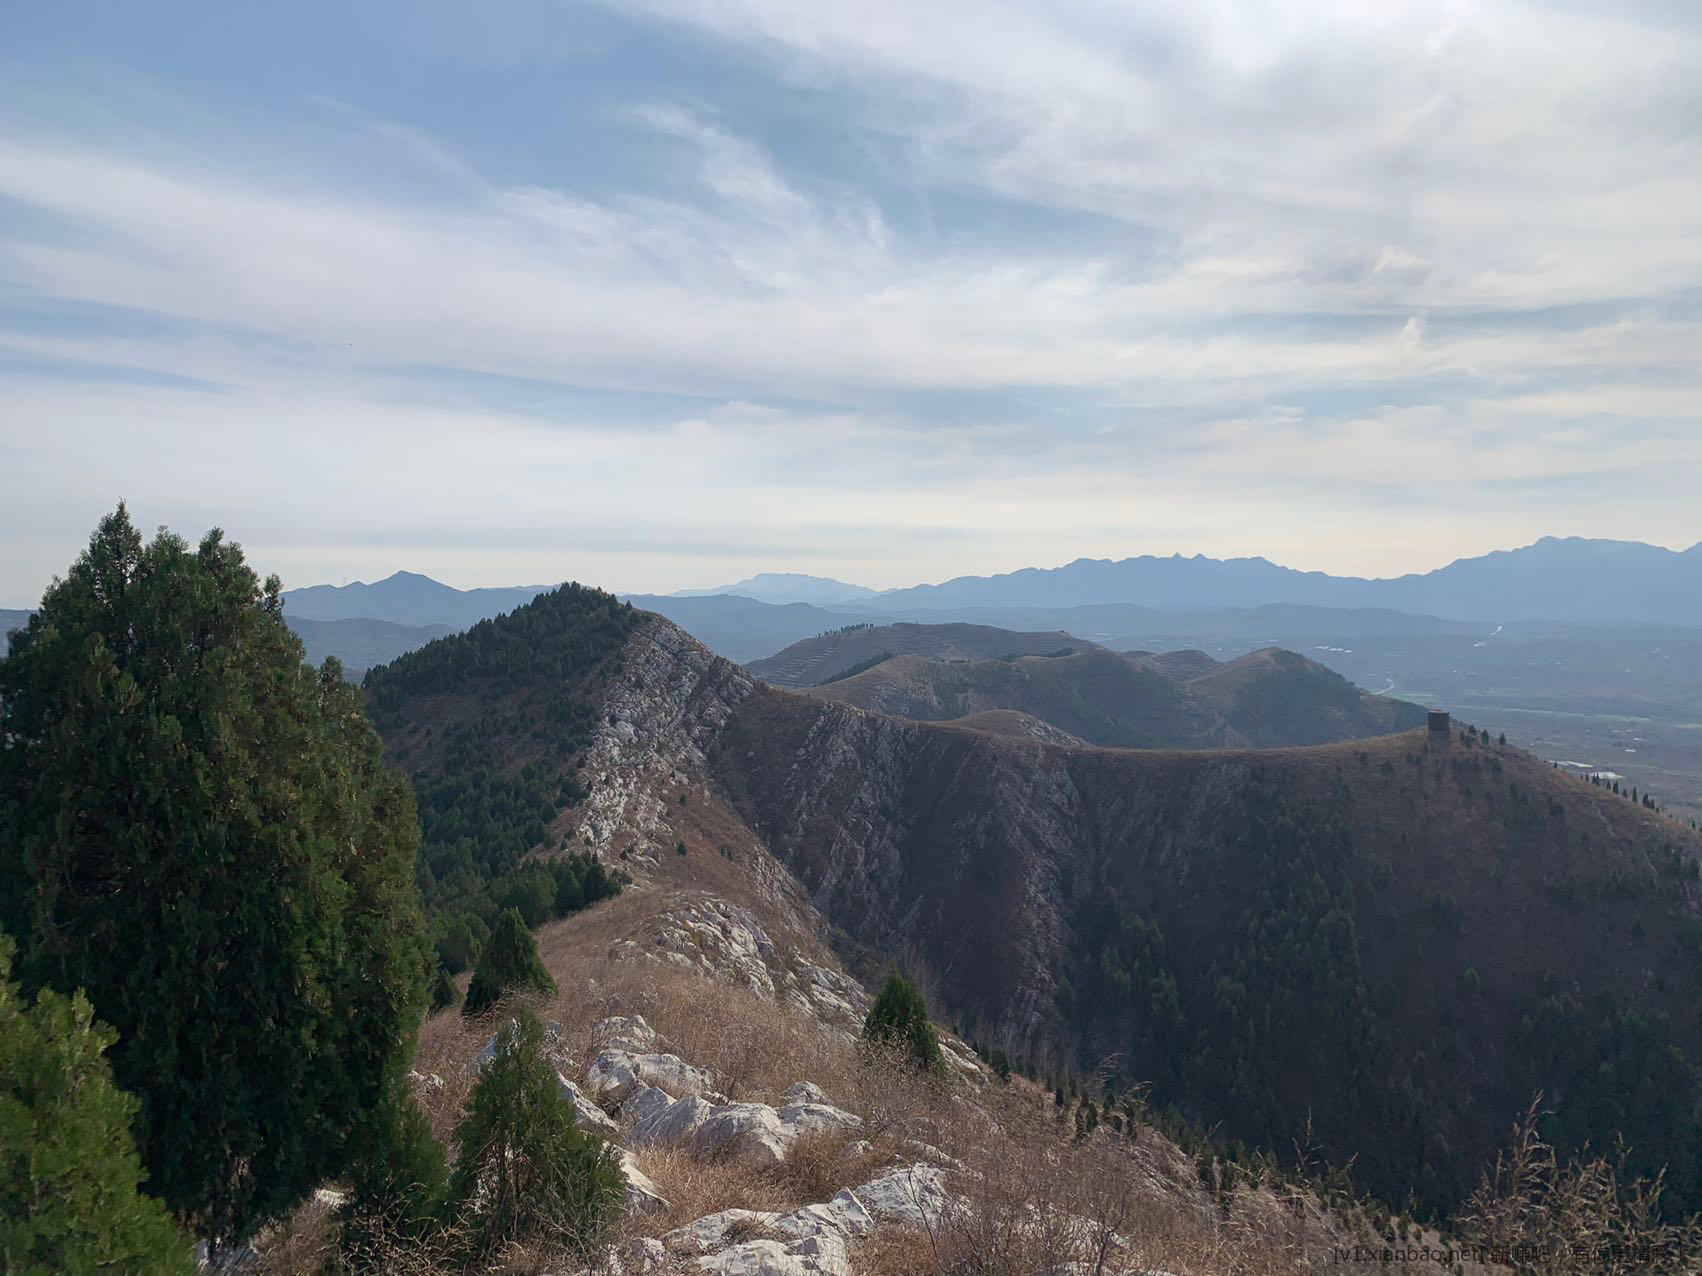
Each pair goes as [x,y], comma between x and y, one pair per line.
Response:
[398,1185]
[69,1172]
[509,963]
[445,994]
[899,1017]
[198,830]
[525,1170]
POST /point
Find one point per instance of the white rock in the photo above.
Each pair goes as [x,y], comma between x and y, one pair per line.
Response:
[588,1114]
[813,1256]
[642,1194]
[487,1052]
[914,1195]
[803,1092]
[623,1032]
[710,1232]
[819,1118]
[842,1216]
[672,1125]
[646,1101]
[749,1130]
[614,1074]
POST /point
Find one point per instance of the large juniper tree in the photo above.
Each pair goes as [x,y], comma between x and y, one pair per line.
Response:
[198,829]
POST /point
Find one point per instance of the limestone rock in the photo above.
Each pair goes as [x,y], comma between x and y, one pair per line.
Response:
[749,1130]
[712,1232]
[913,1195]
[843,1216]
[624,1032]
[813,1256]
[642,1195]
[672,1125]
[819,1118]
[588,1114]
[615,1074]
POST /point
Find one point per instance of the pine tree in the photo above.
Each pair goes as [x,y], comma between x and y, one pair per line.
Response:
[524,1167]
[198,829]
[900,1017]
[69,1173]
[508,964]
[445,993]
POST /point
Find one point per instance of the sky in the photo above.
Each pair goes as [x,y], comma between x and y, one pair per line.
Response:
[661,293]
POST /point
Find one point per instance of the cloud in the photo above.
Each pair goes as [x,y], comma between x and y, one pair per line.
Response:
[903,291]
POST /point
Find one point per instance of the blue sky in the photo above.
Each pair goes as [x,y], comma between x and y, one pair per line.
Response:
[661,293]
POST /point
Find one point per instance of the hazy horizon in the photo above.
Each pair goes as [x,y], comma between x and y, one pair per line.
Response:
[498,582]
[645,293]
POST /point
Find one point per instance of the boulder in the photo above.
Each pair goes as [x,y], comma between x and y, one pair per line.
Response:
[672,1125]
[819,1118]
[748,1130]
[713,1231]
[803,1092]
[614,1074]
[813,1256]
[913,1195]
[588,1114]
[843,1216]
[646,1101]
[642,1195]
[623,1032]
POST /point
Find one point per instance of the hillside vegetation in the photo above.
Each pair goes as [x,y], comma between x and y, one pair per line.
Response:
[1265,699]
[1380,949]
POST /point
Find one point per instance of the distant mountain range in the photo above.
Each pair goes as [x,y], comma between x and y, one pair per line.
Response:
[406,598]
[1563,579]
[787,587]
[1570,579]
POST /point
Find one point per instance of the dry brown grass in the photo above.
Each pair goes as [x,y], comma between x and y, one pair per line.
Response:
[1034,1197]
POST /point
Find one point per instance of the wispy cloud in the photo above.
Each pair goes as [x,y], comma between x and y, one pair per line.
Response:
[987,284]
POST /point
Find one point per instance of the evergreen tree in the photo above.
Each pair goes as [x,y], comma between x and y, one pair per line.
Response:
[198,830]
[525,1168]
[900,1017]
[69,1173]
[445,993]
[509,963]
[398,1185]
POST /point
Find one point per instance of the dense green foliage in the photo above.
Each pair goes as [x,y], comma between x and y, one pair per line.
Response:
[553,639]
[508,964]
[198,830]
[69,1173]
[445,994]
[513,700]
[397,1184]
[524,1168]
[899,1018]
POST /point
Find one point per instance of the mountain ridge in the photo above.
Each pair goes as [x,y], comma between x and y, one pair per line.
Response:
[1064,901]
